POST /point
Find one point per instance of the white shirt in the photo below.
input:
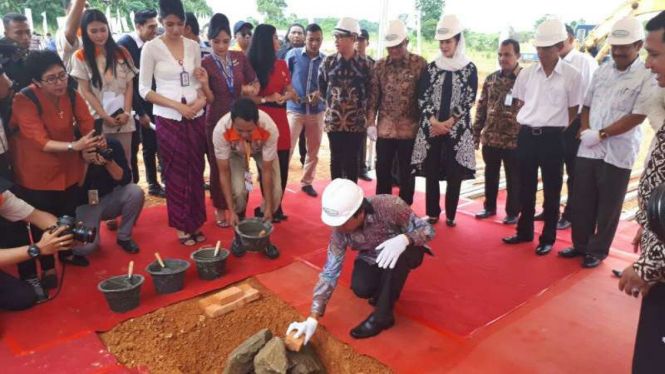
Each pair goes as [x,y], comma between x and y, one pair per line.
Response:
[223,148]
[14,209]
[158,62]
[65,49]
[547,99]
[612,95]
[137,39]
[585,64]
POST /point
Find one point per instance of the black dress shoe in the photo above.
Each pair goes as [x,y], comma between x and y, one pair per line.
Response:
[156,191]
[370,327]
[591,262]
[206,186]
[128,246]
[539,217]
[451,223]
[432,220]
[309,190]
[515,240]
[543,249]
[570,252]
[510,220]
[563,224]
[485,214]
[365,176]
[617,273]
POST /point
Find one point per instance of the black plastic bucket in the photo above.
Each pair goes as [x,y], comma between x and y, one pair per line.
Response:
[122,294]
[172,278]
[209,266]
[249,232]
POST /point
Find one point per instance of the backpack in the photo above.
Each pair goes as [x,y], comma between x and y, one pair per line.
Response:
[71,93]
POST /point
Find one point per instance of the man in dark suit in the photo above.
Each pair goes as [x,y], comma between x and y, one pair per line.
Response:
[146,30]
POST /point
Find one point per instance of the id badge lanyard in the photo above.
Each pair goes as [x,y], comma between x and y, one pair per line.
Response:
[225,71]
[184,75]
[248,174]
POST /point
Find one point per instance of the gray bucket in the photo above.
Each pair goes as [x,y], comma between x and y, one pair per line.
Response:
[209,266]
[249,230]
[122,294]
[172,278]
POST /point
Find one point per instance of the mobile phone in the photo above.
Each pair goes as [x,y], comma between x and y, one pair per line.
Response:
[99,125]
[117,113]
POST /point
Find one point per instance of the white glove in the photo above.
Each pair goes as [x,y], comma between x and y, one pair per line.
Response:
[391,249]
[308,328]
[590,138]
[371,133]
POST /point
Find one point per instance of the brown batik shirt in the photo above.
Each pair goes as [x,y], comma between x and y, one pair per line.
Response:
[496,124]
[395,96]
[345,87]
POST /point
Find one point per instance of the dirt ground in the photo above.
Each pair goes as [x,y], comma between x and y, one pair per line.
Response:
[180,340]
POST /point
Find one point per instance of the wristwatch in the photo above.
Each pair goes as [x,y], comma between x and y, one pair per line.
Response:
[33,251]
[603,135]
[70,147]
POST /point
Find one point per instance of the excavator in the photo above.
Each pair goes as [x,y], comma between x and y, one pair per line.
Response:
[594,42]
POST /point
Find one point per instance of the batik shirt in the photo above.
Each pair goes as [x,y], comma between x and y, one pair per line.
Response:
[345,85]
[496,124]
[391,217]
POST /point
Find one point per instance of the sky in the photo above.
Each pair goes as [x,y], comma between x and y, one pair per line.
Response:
[494,17]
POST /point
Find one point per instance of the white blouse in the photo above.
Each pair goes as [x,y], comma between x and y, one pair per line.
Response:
[158,62]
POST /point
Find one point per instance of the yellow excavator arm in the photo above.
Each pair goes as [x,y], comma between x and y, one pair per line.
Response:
[599,34]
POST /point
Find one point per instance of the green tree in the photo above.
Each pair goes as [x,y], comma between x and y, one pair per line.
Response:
[541,20]
[430,13]
[273,12]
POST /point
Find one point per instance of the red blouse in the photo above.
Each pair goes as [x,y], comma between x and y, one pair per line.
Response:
[279,80]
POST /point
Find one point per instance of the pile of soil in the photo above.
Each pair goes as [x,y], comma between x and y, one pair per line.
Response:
[181,339]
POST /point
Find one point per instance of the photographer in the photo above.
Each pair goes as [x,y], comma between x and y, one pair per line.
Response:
[15,294]
[14,48]
[5,170]
[110,195]
[45,153]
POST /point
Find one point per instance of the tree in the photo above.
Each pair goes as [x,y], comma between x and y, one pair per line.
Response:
[404,17]
[541,20]
[273,12]
[430,13]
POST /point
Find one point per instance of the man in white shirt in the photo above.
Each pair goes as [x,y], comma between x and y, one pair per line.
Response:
[615,105]
[551,95]
[247,132]
[586,65]
[67,39]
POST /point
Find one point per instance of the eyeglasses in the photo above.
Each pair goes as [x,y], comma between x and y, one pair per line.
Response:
[58,78]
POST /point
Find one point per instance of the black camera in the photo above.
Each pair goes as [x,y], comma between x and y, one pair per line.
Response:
[106,153]
[81,233]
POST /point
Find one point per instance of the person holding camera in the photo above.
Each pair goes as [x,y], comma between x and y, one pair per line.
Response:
[16,294]
[111,194]
[46,153]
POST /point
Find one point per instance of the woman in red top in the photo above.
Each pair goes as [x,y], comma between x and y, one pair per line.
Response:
[225,76]
[275,79]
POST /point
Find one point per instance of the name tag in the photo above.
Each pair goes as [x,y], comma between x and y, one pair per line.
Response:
[509,99]
[248,181]
[184,79]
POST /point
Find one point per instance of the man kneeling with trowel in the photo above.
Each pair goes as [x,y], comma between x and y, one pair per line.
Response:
[382,266]
[247,132]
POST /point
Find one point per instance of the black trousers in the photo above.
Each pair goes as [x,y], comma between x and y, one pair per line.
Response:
[345,154]
[540,148]
[15,294]
[570,146]
[433,177]
[387,151]
[362,165]
[150,155]
[302,146]
[385,285]
[648,357]
[58,203]
[5,167]
[599,192]
[283,159]
[134,162]
[493,158]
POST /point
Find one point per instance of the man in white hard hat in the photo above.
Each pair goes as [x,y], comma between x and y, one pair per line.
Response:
[615,105]
[344,83]
[646,276]
[551,94]
[382,266]
[586,65]
[395,101]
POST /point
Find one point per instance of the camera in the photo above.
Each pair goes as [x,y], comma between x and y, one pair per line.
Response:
[81,233]
[8,50]
[107,153]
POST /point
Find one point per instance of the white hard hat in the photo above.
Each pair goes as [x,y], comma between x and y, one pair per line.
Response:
[448,26]
[341,199]
[395,34]
[347,26]
[625,31]
[550,32]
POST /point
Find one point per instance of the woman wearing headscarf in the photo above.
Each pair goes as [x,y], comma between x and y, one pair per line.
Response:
[444,148]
